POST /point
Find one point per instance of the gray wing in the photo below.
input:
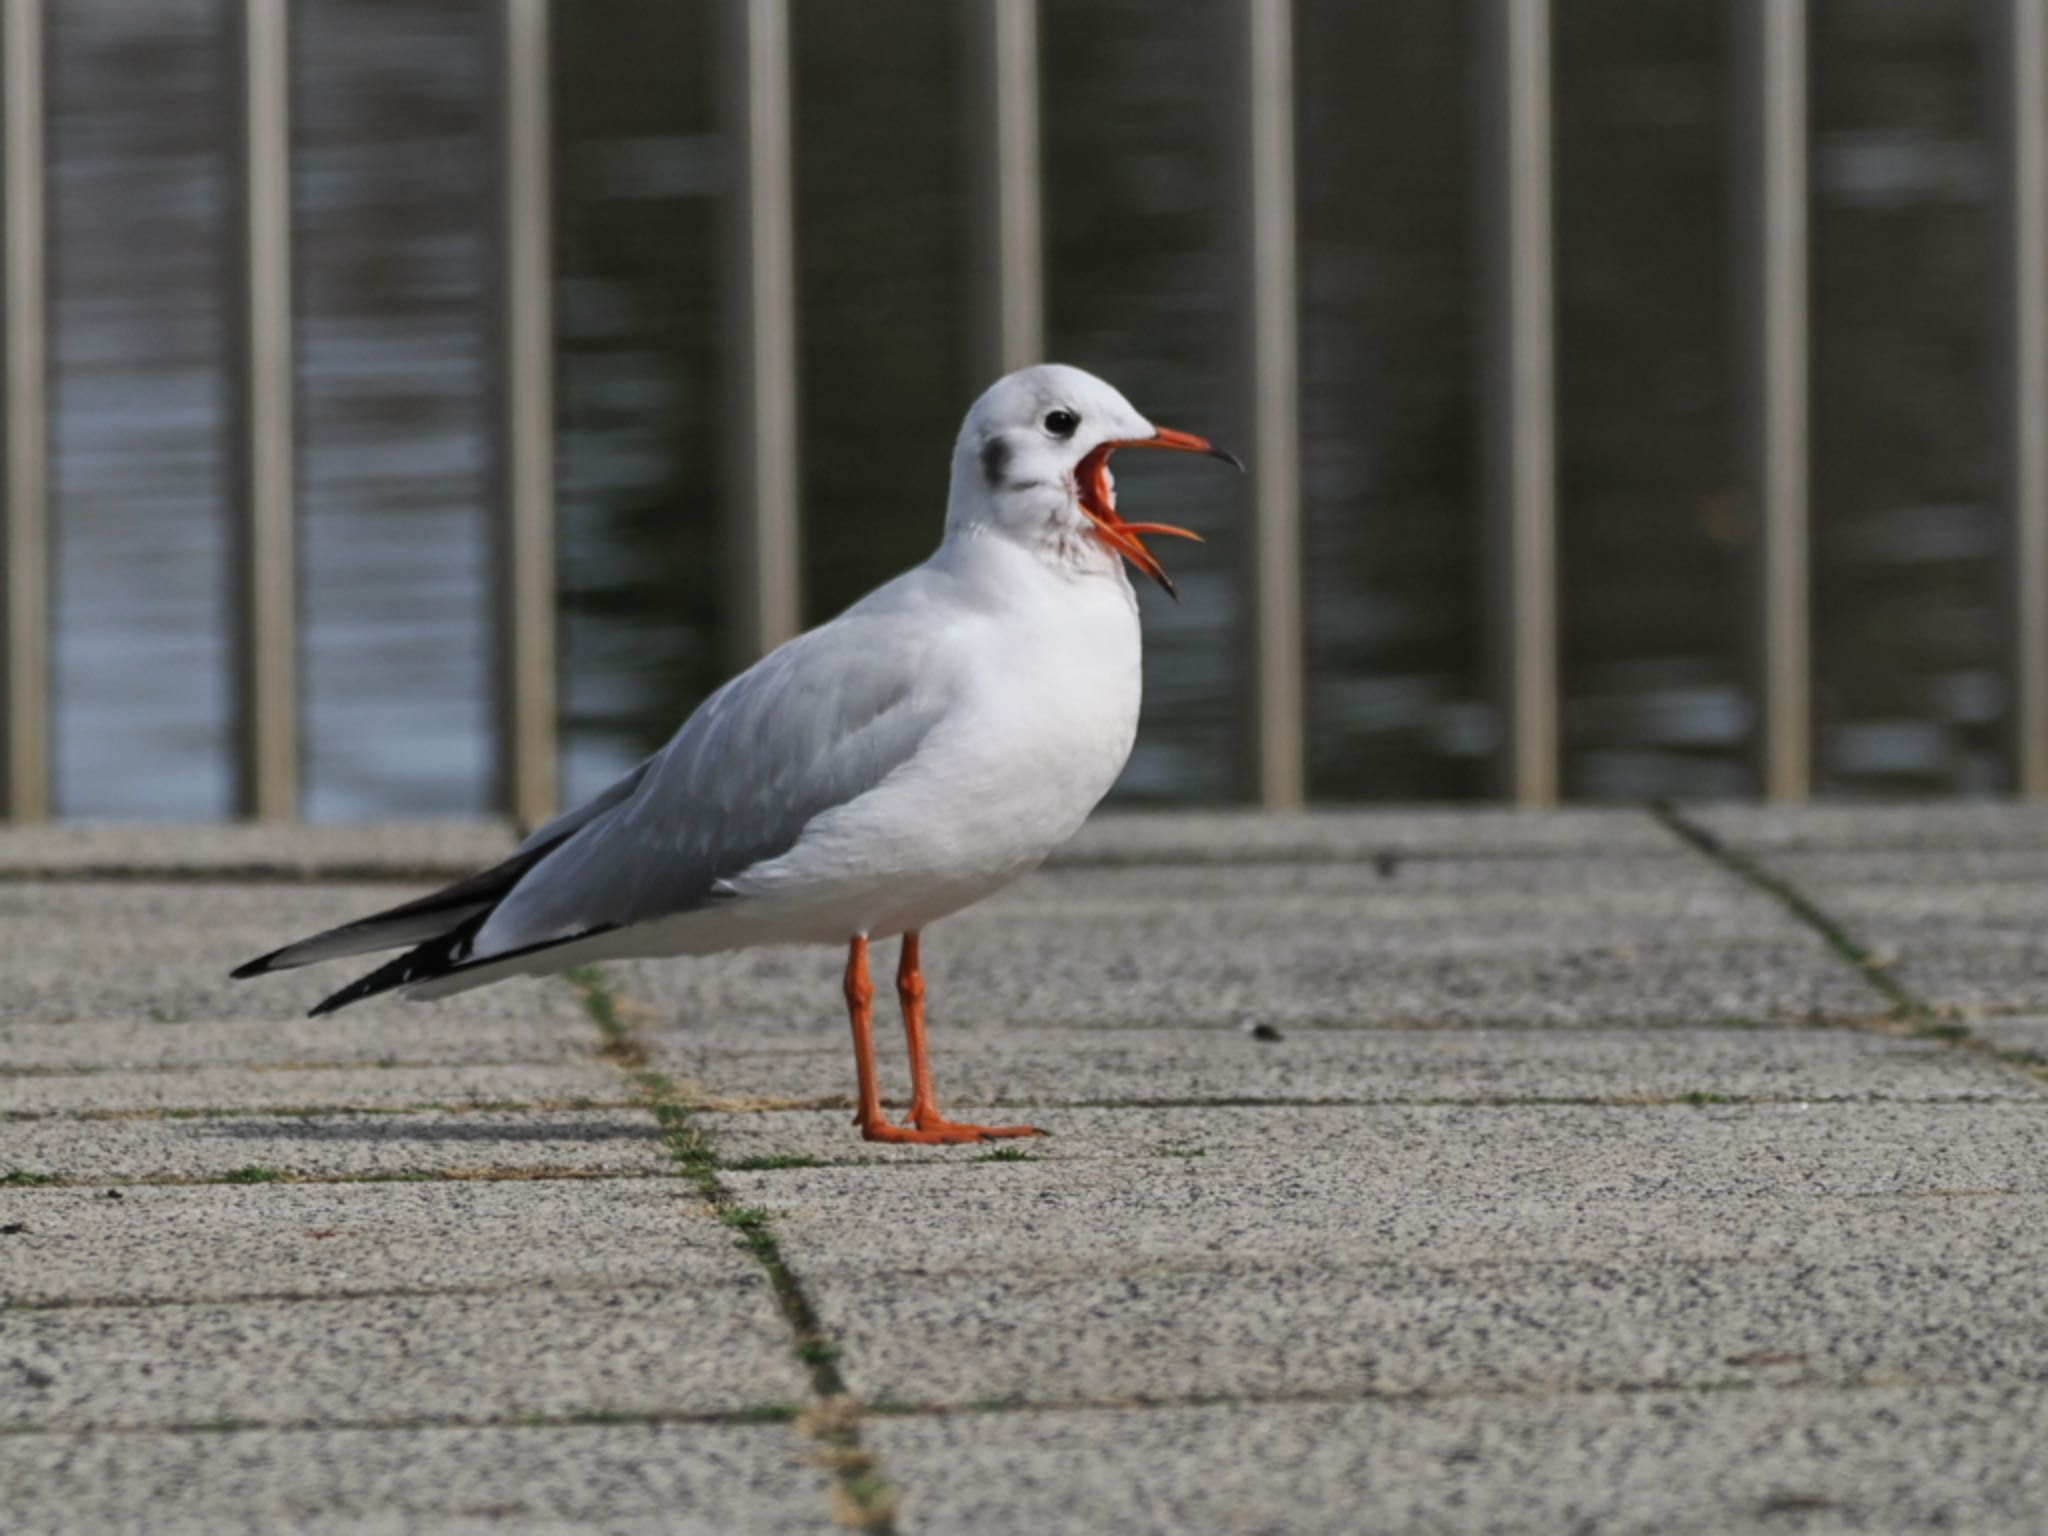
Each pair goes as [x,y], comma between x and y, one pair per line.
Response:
[814,725]
[443,912]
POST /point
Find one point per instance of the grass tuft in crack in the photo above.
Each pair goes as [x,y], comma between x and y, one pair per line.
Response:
[620,1043]
[865,1498]
[254,1173]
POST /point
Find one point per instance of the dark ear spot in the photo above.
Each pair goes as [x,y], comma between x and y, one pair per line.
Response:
[995,461]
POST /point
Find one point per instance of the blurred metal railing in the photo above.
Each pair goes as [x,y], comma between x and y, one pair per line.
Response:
[24,433]
[523,456]
[1519,387]
[2018,48]
[1521,399]
[266,545]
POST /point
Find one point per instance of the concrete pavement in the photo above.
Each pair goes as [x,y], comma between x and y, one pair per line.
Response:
[1426,1171]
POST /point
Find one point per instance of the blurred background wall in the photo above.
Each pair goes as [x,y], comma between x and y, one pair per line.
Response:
[391,163]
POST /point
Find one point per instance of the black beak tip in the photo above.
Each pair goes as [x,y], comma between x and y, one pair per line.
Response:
[1227,457]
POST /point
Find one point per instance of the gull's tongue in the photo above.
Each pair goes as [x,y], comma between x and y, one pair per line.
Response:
[1098,501]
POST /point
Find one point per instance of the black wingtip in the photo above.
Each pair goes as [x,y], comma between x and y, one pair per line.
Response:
[395,974]
[415,965]
[260,966]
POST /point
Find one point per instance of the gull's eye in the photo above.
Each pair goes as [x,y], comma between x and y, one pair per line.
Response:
[1061,423]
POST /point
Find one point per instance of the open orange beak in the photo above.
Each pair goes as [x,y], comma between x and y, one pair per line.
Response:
[1091,476]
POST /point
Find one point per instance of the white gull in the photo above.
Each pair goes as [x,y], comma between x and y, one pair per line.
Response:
[923,749]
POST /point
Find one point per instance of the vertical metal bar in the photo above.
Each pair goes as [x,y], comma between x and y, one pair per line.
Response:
[1276,733]
[2018,56]
[763,528]
[523,448]
[266,559]
[1771,63]
[1521,397]
[1006,179]
[24,490]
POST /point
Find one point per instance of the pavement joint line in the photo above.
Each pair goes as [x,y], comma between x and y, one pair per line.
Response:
[338,1111]
[753,1413]
[1911,1014]
[26,1178]
[893,1408]
[889,1408]
[267,1068]
[1400,1024]
[1695,1099]
[864,1498]
[551,1285]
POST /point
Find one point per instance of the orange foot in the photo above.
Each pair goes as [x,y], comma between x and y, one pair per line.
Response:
[930,1130]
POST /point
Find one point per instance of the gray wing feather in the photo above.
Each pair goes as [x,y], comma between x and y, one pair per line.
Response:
[814,725]
[574,820]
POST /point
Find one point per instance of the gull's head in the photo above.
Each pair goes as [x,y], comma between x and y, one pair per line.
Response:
[1033,463]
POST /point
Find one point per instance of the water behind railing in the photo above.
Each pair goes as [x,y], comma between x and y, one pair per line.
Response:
[392,169]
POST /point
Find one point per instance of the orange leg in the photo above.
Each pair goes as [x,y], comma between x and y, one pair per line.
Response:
[860,1004]
[926,1125]
[924,1103]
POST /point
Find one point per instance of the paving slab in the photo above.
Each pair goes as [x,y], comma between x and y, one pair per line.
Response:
[1611,1248]
[1060,1218]
[1901,1460]
[467,1356]
[1392,1153]
[1268,1325]
[570,1083]
[209,1243]
[677,1479]
[481,1141]
[1027,1066]
[162,950]
[672,1479]
[1650,939]
[687,1479]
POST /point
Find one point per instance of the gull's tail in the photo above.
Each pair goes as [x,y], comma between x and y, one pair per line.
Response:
[437,931]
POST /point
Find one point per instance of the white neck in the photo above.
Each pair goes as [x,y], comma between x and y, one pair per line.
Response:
[1041,517]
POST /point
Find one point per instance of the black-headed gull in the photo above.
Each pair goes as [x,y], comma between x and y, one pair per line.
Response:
[926,747]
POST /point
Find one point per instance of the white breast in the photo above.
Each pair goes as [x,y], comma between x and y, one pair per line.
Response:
[1042,716]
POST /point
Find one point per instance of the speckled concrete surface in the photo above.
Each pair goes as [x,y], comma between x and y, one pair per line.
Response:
[1578,1179]
[430,1142]
[634,1480]
[219,1243]
[1894,1459]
